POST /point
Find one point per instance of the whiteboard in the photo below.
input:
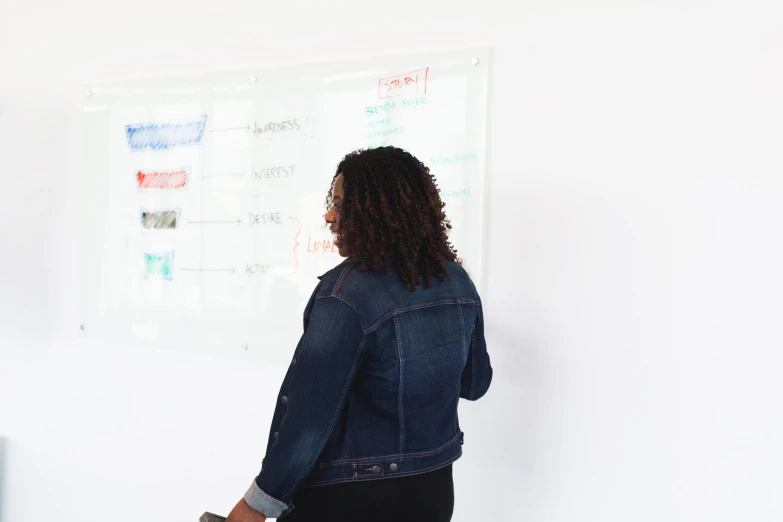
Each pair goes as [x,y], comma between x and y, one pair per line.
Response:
[204,196]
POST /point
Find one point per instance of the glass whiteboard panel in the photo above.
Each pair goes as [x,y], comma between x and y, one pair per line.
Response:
[203,224]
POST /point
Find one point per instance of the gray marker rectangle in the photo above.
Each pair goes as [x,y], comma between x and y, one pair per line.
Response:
[160,219]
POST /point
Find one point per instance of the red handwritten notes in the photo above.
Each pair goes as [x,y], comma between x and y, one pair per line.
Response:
[414,82]
[323,246]
[315,245]
[162,179]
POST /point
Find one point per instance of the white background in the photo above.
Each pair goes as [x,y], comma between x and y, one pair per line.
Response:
[634,284]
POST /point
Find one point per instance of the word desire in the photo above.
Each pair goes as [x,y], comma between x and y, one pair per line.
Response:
[270,218]
[275,126]
[274,172]
[323,246]
[257,269]
[414,82]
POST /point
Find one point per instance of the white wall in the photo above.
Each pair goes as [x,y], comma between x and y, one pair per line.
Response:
[634,261]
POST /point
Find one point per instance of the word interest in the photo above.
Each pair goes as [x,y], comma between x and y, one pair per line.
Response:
[274,172]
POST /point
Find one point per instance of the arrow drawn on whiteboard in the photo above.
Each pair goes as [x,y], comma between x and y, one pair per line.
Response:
[245,128]
[232,270]
[237,221]
[240,174]
[296,244]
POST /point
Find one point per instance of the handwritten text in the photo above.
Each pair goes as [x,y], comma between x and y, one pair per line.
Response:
[257,269]
[270,218]
[276,126]
[455,158]
[274,172]
[408,83]
[323,245]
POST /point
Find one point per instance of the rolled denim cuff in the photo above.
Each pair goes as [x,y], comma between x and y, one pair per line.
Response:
[265,504]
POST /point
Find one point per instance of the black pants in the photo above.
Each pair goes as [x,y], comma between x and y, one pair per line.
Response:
[428,497]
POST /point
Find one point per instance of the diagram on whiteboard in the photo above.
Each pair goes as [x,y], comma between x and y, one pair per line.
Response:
[206,221]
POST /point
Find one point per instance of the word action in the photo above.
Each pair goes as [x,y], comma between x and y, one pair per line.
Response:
[257,269]
[408,83]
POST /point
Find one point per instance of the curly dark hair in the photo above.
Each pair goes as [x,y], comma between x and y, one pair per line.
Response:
[392,213]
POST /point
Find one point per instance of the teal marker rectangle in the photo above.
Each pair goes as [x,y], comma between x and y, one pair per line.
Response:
[158,266]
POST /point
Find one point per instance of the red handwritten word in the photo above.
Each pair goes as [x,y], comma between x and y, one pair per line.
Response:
[324,246]
[163,179]
[409,83]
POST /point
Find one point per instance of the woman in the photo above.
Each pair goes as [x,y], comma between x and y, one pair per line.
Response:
[366,423]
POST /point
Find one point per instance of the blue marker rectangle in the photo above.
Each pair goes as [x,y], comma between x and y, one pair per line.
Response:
[162,135]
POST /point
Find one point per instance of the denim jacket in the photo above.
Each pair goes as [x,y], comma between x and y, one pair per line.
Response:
[372,389]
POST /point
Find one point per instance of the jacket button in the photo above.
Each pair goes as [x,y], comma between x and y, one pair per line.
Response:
[393,467]
[293,363]
[284,399]
[275,435]
[376,469]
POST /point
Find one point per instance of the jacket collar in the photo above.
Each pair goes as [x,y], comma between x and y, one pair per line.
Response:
[345,262]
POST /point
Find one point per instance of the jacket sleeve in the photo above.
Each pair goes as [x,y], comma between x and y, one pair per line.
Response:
[326,362]
[477,374]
